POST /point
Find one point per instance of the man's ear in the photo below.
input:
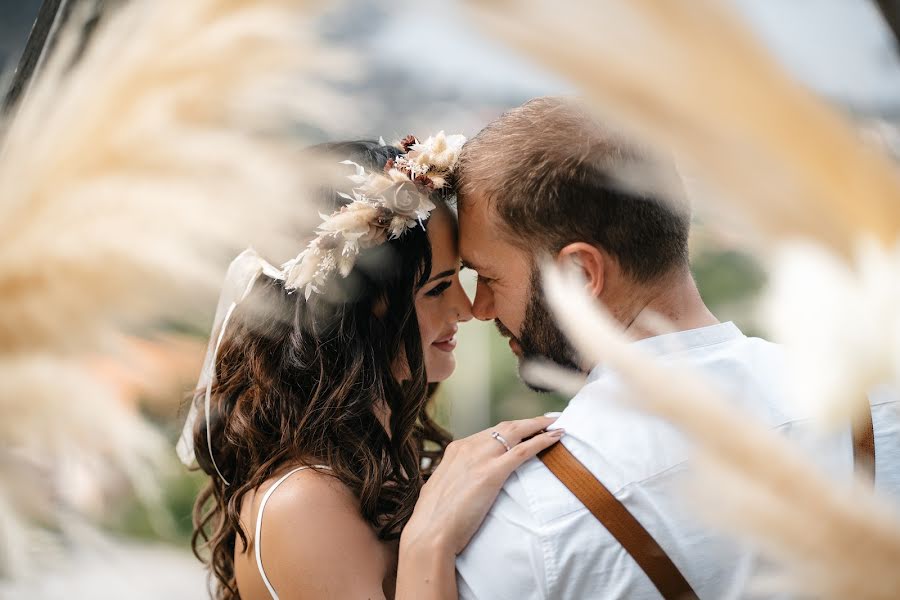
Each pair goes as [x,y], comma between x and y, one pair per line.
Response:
[588,259]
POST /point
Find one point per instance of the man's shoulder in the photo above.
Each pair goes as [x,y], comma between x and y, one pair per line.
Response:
[534,490]
[624,446]
[621,467]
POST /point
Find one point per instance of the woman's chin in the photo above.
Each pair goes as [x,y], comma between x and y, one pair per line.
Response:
[441,369]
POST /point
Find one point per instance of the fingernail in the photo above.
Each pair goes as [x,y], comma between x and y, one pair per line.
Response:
[552,415]
[556,432]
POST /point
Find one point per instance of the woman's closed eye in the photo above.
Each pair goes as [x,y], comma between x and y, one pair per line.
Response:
[438,289]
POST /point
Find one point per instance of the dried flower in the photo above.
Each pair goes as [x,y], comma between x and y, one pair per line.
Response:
[381,205]
[330,242]
[352,221]
[384,216]
[426,182]
[408,142]
[440,151]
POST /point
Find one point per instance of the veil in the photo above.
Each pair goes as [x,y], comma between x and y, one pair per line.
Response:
[242,274]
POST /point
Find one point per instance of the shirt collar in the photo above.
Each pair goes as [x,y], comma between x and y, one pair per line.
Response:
[680,341]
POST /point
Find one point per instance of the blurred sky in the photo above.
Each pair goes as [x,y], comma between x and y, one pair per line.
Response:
[841,48]
[427,63]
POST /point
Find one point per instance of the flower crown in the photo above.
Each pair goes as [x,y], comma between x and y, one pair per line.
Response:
[382,206]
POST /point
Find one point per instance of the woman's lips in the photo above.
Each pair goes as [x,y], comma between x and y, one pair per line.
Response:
[445,345]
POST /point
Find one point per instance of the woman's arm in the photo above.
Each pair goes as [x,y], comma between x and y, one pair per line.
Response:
[455,501]
[427,569]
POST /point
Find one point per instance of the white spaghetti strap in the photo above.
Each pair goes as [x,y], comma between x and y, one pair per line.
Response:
[257,538]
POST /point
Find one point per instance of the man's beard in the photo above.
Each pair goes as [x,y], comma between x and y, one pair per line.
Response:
[540,338]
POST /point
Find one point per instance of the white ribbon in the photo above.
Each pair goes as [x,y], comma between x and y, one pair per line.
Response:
[239,280]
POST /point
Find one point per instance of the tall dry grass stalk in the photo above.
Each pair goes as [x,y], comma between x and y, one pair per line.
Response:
[127,179]
[687,78]
[837,543]
[839,322]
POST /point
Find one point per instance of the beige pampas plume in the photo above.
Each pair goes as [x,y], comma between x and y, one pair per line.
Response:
[545,374]
[129,175]
[838,543]
[126,176]
[687,78]
[839,322]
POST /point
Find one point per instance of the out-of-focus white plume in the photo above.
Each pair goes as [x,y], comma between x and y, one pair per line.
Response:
[765,488]
[128,176]
[687,79]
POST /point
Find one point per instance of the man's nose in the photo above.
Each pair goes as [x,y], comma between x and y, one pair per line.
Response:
[483,305]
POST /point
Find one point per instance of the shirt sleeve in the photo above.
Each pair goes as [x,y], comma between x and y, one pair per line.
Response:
[504,560]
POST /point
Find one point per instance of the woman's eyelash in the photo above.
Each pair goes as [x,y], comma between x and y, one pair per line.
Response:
[438,289]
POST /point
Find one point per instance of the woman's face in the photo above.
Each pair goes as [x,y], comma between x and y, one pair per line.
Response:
[441,304]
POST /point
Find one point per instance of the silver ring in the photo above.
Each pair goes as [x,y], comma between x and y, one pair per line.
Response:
[501,439]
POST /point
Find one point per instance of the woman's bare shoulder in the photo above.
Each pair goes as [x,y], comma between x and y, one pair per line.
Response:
[308,490]
[315,542]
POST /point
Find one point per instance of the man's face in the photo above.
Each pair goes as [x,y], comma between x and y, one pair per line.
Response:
[508,291]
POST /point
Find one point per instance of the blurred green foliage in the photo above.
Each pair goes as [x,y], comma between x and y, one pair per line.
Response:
[510,398]
[728,278]
[166,521]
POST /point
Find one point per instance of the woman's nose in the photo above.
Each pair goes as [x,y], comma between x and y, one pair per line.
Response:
[483,307]
[463,305]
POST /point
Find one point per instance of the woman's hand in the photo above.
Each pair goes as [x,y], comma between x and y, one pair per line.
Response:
[456,499]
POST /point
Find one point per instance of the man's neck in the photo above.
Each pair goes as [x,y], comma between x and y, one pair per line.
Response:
[672,305]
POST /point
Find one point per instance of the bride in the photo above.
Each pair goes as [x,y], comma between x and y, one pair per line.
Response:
[328,478]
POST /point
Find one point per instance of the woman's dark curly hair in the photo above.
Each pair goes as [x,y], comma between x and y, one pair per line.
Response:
[299,382]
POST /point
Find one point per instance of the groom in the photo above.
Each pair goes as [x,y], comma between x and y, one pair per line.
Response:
[538,182]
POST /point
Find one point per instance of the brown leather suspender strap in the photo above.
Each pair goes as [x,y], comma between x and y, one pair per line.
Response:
[618,521]
[628,531]
[864,444]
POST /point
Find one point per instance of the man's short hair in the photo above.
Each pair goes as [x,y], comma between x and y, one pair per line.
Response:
[553,176]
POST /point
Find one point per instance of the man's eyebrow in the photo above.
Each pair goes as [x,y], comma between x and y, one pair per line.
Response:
[441,275]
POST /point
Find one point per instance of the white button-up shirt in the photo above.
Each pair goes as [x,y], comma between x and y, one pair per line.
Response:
[540,542]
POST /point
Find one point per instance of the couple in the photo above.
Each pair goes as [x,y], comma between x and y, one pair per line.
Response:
[328,479]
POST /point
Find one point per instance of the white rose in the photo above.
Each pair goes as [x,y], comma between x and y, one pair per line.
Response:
[403,198]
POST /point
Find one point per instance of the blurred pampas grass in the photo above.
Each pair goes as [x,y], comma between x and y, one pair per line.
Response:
[840,322]
[129,174]
[687,79]
[837,542]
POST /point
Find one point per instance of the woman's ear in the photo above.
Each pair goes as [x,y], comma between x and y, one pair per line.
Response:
[588,259]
